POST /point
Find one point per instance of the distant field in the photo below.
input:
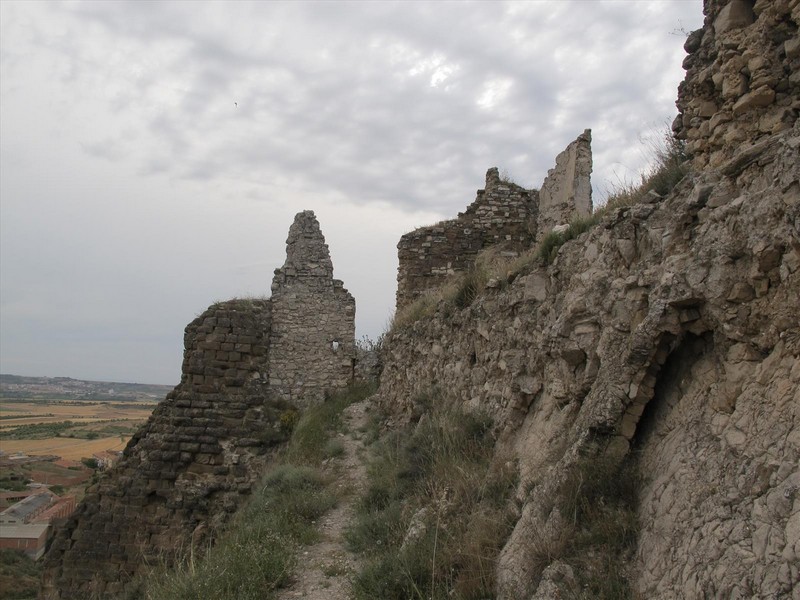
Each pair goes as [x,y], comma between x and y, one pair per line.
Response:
[70,429]
[27,413]
[71,449]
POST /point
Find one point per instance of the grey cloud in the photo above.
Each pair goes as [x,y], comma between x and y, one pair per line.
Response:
[335,105]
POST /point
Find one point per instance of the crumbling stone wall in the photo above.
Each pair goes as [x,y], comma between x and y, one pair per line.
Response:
[503,214]
[567,189]
[312,346]
[186,469]
[248,365]
[742,77]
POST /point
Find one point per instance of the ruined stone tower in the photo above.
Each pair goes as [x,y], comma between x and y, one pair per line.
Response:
[313,320]
[247,363]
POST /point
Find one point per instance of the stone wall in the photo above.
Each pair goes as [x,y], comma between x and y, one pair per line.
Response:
[743,77]
[503,214]
[567,189]
[248,365]
[671,326]
[313,320]
[183,472]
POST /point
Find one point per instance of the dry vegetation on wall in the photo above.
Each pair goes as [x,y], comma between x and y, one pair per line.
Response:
[597,505]
[669,166]
[436,511]
[255,555]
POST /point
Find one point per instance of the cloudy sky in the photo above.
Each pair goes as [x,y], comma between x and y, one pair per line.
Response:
[153,154]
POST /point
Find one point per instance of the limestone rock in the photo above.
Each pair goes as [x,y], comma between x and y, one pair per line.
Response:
[734,15]
[742,64]
[567,191]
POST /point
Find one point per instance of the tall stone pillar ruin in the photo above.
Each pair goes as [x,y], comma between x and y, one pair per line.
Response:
[567,190]
[313,320]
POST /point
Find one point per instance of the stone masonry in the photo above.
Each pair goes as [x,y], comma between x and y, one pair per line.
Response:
[248,365]
[567,189]
[185,470]
[742,77]
[313,320]
[503,214]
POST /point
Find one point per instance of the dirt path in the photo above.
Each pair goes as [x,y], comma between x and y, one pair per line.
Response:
[325,569]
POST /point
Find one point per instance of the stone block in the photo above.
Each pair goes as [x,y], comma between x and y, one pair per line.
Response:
[761,97]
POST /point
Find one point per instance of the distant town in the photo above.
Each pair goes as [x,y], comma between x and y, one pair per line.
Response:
[18,386]
[56,435]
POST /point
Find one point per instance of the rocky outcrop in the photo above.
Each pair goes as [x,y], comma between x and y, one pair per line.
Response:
[671,328]
[665,339]
[503,215]
[743,77]
[249,366]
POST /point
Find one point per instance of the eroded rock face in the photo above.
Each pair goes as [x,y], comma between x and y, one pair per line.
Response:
[672,327]
[743,77]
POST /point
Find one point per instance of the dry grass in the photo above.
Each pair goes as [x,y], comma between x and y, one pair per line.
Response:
[68,448]
[598,503]
[669,164]
[439,476]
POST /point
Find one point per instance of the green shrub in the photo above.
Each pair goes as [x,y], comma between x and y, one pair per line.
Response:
[19,576]
[91,463]
[38,431]
[316,425]
[552,241]
[258,551]
[333,449]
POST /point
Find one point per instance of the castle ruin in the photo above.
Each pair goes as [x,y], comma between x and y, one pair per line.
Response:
[503,214]
[249,365]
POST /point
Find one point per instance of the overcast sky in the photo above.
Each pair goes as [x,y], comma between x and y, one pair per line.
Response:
[153,154]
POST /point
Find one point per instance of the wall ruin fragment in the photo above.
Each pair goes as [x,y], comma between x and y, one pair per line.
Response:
[503,214]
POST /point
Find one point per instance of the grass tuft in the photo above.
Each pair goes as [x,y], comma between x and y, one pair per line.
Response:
[669,165]
[598,502]
[433,518]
